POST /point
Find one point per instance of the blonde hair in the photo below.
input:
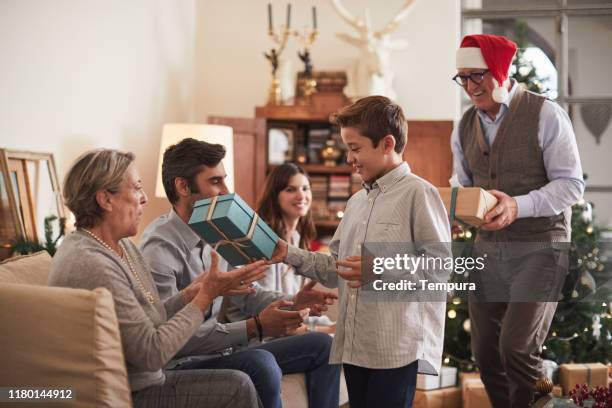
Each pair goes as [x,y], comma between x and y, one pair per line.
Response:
[100,169]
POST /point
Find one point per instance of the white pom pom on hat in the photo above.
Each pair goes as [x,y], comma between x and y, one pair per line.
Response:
[500,93]
[492,52]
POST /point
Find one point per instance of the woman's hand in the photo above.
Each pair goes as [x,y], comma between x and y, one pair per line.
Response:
[216,283]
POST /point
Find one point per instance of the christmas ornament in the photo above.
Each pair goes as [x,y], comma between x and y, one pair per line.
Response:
[544,385]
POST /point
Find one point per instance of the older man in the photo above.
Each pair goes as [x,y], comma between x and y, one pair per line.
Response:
[521,147]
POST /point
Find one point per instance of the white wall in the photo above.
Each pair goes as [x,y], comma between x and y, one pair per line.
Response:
[233,75]
[80,74]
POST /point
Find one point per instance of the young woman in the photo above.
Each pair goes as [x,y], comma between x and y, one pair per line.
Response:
[285,207]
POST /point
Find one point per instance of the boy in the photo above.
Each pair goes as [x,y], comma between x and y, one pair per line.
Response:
[382,345]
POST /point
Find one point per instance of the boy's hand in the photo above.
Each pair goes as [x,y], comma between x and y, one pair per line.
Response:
[280,252]
[316,300]
[350,270]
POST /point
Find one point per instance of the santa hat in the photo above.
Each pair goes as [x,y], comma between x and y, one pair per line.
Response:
[492,52]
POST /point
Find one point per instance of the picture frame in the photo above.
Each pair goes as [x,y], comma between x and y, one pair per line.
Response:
[29,192]
[281,144]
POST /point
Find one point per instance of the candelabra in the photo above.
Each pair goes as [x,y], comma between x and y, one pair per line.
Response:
[280,40]
[307,84]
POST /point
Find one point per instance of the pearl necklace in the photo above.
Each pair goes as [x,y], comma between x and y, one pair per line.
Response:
[147,294]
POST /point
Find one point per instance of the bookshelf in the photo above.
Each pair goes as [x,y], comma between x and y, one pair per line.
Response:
[307,131]
[322,169]
[427,152]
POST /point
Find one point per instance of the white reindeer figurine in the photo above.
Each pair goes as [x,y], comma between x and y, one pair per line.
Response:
[371,74]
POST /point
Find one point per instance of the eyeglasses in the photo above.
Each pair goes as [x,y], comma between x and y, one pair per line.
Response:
[475,77]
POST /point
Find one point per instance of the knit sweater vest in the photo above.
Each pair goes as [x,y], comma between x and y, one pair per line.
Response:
[513,164]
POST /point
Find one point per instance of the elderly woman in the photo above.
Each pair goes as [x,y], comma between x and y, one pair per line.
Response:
[104,191]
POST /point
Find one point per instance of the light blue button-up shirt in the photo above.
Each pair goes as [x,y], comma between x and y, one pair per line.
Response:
[561,160]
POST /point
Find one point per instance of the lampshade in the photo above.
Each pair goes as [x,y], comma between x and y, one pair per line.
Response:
[175,132]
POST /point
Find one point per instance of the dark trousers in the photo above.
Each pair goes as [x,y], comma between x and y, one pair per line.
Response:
[265,364]
[384,388]
[506,343]
[511,316]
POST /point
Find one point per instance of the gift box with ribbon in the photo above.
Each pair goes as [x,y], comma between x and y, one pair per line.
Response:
[592,374]
[473,392]
[442,398]
[230,226]
[446,378]
[467,204]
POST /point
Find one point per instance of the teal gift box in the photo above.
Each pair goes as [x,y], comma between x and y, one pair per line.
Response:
[229,225]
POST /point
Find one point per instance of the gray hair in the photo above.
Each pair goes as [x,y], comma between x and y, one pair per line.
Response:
[95,170]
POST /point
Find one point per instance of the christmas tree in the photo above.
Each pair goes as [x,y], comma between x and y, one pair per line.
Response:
[581,330]
[523,70]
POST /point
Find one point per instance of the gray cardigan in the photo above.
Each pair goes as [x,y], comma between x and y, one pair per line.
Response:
[151,334]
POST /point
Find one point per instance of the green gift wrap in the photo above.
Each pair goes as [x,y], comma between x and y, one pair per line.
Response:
[229,225]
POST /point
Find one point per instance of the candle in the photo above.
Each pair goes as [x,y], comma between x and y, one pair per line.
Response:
[270,28]
[314,17]
[288,15]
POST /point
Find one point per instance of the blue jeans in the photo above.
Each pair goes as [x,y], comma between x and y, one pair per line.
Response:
[389,388]
[266,363]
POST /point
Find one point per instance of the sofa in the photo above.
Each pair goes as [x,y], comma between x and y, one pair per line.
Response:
[69,338]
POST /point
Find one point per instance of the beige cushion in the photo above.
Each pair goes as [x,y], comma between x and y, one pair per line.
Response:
[60,337]
[32,269]
[295,395]
[293,391]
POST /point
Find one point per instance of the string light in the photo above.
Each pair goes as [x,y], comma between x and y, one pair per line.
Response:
[452,314]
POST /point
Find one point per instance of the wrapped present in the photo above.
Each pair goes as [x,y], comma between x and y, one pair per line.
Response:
[469,205]
[592,374]
[473,392]
[442,398]
[229,225]
[466,376]
[447,378]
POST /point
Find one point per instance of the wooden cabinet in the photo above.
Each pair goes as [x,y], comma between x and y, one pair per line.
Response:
[427,151]
[250,159]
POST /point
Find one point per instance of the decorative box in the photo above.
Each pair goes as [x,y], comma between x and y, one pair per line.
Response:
[447,378]
[229,225]
[592,374]
[474,394]
[442,398]
[471,205]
